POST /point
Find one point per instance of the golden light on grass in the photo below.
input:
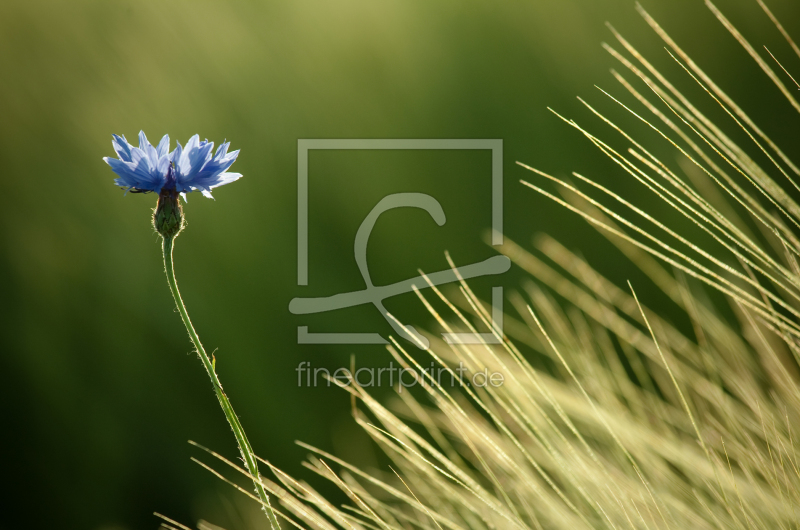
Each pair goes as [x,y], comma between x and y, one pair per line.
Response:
[634,423]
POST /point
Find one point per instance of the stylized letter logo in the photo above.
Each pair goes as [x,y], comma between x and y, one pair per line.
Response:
[375,295]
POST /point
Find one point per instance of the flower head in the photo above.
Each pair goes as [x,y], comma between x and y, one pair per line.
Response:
[185,169]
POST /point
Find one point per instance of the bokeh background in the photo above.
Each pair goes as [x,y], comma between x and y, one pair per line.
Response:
[100,390]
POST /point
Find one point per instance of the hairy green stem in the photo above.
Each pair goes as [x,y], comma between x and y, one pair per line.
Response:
[244,445]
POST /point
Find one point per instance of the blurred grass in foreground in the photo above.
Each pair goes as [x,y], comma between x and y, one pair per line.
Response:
[633,423]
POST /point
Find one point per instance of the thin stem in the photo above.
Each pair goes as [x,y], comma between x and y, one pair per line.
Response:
[241,438]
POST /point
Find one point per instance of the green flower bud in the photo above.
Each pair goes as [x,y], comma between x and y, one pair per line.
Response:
[168,215]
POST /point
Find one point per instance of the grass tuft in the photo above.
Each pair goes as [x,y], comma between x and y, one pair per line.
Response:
[626,421]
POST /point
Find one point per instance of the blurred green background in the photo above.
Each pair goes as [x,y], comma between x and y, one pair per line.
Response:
[100,390]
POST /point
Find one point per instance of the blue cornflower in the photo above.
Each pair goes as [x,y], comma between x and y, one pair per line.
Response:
[185,169]
[192,168]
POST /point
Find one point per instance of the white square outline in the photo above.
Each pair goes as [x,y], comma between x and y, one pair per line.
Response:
[304,145]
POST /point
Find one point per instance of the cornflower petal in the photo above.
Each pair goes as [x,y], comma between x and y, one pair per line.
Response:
[122,147]
[163,147]
[148,149]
